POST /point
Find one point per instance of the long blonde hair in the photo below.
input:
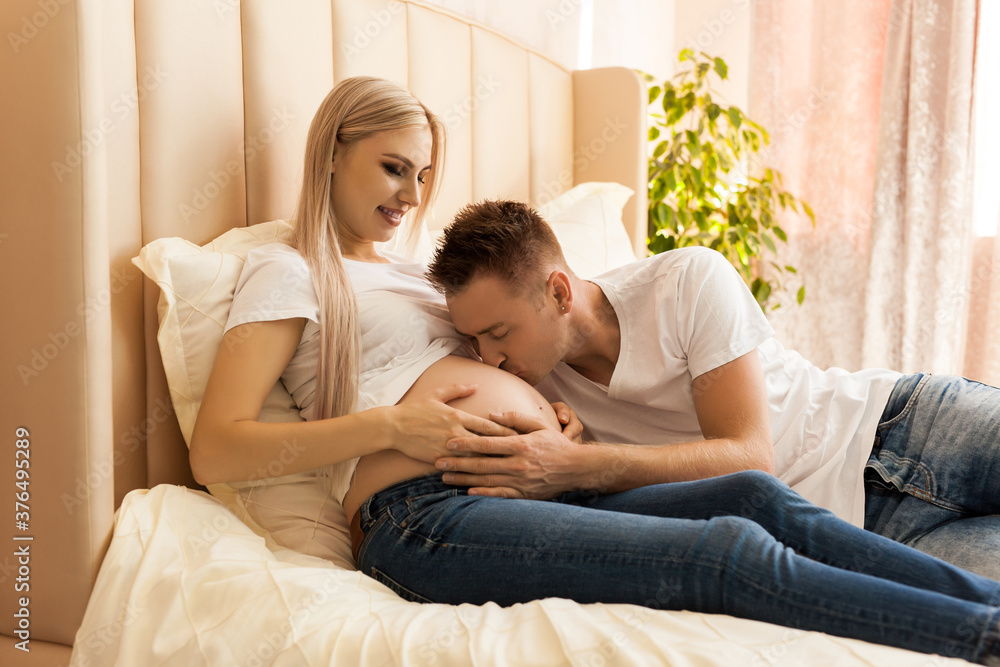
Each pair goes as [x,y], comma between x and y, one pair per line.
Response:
[355,109]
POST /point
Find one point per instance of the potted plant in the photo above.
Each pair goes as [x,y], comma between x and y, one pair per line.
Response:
[707,185]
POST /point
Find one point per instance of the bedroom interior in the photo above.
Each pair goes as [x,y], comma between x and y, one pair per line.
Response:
[148,145]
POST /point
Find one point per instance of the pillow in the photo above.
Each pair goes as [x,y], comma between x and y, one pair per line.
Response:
[587,221]
[196,291]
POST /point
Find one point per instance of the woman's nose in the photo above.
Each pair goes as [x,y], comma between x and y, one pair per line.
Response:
[411,193]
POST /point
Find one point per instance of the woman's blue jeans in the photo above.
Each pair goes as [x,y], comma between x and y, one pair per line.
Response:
[742,544]
[933,480]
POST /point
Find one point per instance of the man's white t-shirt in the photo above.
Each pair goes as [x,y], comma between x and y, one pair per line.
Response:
[686,312]
[404,323]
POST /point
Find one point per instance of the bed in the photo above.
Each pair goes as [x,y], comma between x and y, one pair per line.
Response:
[164,139]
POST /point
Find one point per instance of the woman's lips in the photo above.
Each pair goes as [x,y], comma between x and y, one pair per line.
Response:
[393,216]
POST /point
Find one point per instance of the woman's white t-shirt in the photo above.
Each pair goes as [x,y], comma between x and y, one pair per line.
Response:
[686,312]
[404,325]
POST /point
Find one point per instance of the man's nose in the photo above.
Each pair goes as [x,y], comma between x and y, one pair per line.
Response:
[491,356]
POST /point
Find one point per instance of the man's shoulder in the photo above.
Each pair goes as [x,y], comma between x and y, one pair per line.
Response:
[661,267]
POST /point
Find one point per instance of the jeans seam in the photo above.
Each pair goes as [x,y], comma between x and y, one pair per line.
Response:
[909,404]
[374,525]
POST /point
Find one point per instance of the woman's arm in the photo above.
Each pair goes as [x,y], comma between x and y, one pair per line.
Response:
[230,444]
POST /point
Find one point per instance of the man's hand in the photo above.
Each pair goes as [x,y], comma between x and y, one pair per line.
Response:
[572,426]
[540,464]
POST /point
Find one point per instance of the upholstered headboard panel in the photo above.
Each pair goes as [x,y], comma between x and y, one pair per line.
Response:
[130,120]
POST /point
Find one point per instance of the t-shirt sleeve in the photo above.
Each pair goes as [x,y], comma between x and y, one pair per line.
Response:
[274,285]
[719,320]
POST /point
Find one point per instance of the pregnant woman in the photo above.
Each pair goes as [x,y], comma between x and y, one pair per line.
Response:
[369,354]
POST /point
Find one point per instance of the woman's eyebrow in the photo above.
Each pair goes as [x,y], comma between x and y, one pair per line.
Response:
[404,160]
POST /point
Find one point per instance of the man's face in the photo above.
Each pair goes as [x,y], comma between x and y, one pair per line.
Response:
[519,334]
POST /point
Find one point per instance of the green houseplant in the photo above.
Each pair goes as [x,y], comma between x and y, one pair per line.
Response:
[707,185]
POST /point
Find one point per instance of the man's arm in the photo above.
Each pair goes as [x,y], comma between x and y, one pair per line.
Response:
[731,405]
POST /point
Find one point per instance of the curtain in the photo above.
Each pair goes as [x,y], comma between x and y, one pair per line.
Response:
[918,285]
[870,103]
[816,81]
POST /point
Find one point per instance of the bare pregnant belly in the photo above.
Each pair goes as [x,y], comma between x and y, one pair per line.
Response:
[496,391]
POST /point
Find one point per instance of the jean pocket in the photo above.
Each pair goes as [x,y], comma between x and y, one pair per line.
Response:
[396,587]
[415,504]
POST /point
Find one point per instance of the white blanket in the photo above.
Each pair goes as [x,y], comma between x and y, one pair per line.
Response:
[186,583]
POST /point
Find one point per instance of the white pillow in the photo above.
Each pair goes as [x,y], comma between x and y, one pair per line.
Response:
[196,292]
[587,221]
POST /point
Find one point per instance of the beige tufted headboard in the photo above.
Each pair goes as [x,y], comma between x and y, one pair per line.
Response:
[127,121]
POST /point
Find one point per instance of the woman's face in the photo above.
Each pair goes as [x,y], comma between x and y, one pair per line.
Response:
[375,181]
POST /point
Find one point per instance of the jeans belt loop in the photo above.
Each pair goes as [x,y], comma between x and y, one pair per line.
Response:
[357,535]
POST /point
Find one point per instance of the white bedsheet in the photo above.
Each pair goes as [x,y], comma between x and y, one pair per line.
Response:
[186,583]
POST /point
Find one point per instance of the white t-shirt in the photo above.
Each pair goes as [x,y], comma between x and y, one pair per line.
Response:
[686,312]
[405,327]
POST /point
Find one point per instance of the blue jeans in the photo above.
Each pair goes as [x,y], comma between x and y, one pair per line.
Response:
[933,479]
[679,546]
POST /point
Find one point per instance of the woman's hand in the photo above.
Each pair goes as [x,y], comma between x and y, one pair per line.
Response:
[541,463]
[572,426]
[421,428]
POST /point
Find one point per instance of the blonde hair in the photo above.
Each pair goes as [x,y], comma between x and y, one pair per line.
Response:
[355,109]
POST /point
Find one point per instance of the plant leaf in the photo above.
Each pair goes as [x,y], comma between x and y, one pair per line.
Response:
[769,242]
[720,68]
[801,295]
[735,116]
[654,92]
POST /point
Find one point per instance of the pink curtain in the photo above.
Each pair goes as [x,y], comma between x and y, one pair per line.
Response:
[869,103]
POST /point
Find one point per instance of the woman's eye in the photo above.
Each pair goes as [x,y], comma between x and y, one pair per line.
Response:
[421,179]
[499,336]
[389,169]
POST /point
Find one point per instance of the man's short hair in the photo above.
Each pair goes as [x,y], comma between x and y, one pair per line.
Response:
[496,238]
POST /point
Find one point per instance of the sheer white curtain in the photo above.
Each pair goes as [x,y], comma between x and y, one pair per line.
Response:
[870,104]
[916,311]
[816,80]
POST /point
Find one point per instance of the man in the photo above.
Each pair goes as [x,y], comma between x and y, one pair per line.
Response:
[676,375]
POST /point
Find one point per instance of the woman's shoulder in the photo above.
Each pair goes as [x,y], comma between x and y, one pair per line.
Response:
[274,284]
[276,263]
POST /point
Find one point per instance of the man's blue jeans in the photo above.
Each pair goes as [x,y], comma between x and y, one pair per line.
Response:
[933,480]
[742,544]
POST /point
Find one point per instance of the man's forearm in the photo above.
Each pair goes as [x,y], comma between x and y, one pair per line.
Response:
[610,468]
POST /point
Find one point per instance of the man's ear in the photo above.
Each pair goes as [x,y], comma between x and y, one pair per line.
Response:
[560,288]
